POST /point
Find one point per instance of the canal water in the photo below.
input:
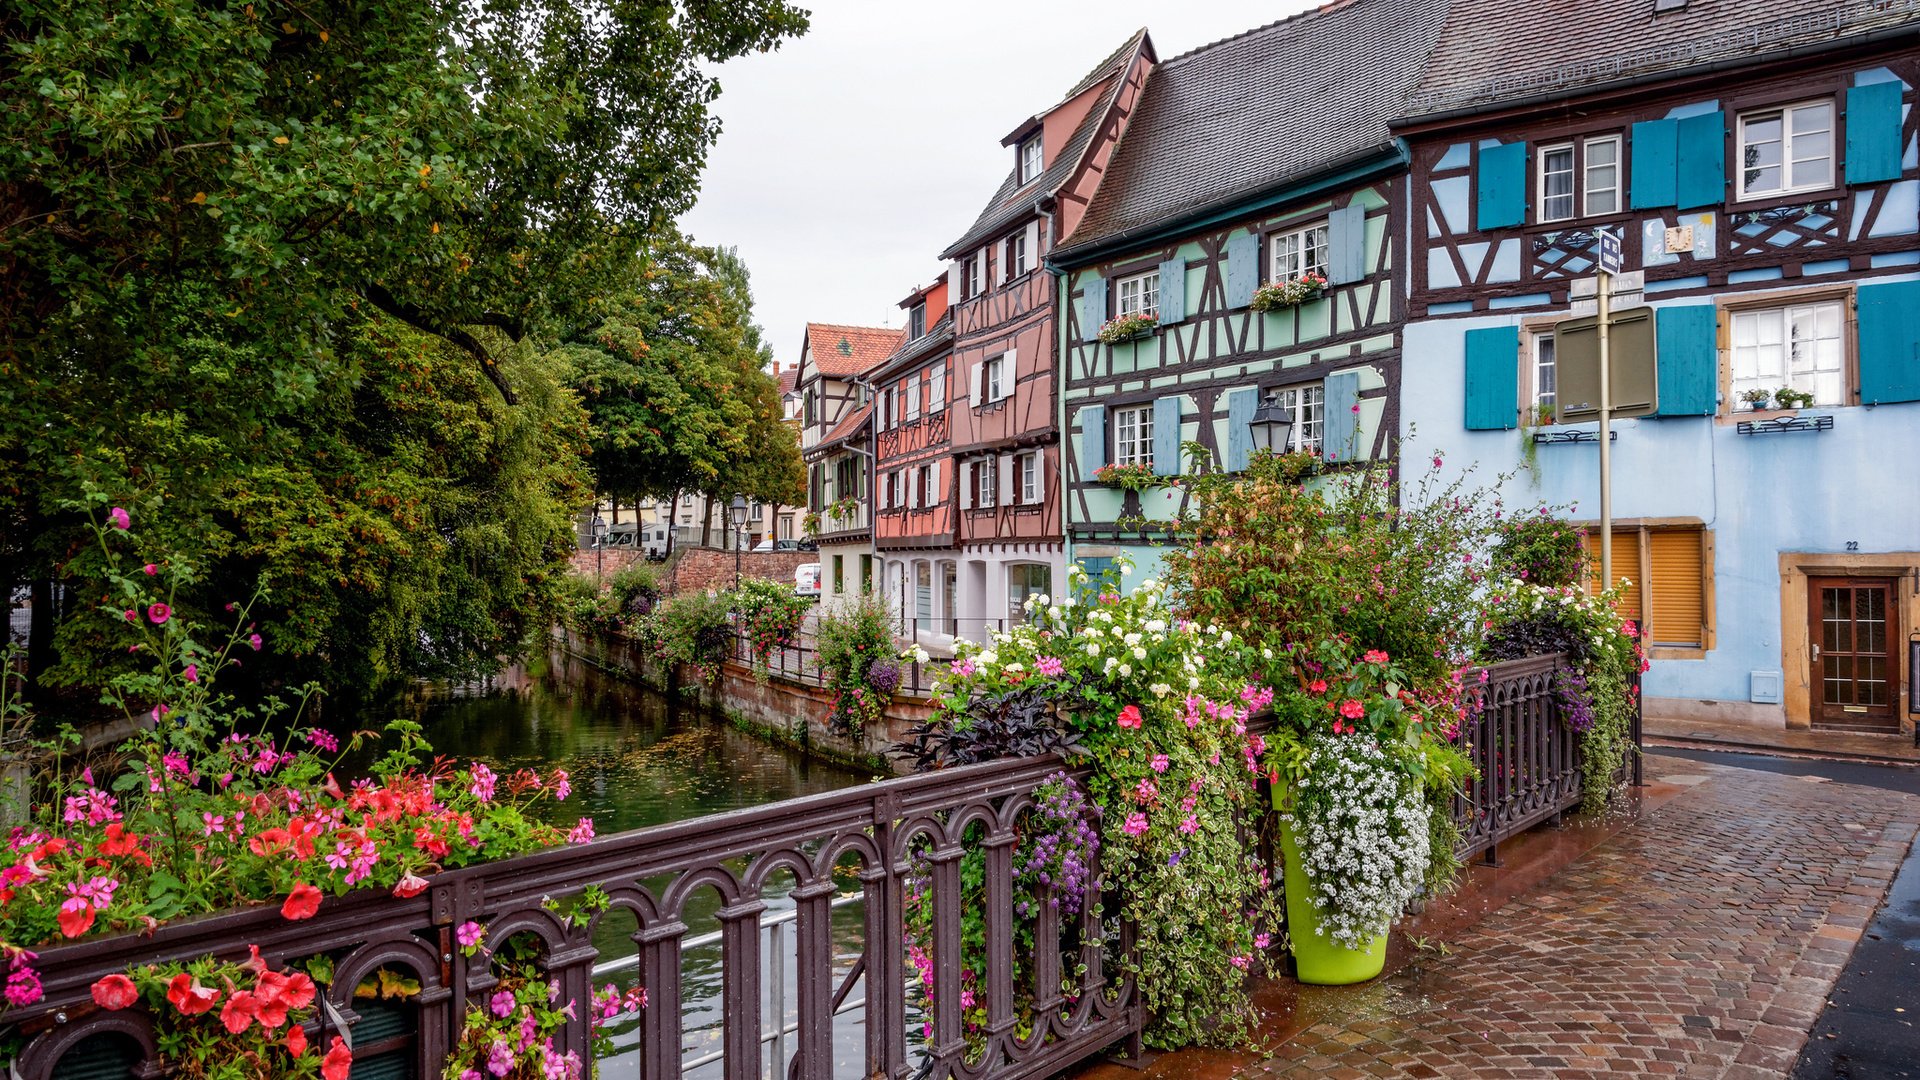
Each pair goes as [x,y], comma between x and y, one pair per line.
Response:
[636,758]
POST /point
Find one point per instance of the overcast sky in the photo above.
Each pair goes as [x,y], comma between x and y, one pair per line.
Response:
[851,157]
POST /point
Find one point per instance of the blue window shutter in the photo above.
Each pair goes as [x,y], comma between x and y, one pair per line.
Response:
[1173,290]
[1873,133]
[1656,146]
[1700,163]
[1687,355]
[1243,269]
[1340,425]
[1240,406]
[1889,319]
[1166,435]
[1346,245]
[1093,440]
[1093,308]
[1493,378]
[1502,181]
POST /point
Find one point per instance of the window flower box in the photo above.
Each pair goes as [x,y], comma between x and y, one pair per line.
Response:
[1125,328]
[1282,294]
[1128,477]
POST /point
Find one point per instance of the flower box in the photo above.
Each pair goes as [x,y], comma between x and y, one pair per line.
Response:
[1129,477]
[1282,294]
[1127,328]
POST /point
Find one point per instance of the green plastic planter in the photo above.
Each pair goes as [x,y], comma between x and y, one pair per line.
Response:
[1318,959]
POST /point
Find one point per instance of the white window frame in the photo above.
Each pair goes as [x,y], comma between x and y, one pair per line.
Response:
[985,473]
[1133,435]
[1588,189]
[936,388]
[1581,185]
[912,411]
[1291,253]
[975,267]
[1032,159]
[1743,357]
[1543,357]
[1785,113]
[1571,172]
[993,378]
[1029,478]
[1306,405]
[1017,255]
[1137,294]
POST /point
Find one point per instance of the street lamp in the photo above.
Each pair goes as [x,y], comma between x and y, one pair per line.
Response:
[599,530]
[1272,425]
[738,511]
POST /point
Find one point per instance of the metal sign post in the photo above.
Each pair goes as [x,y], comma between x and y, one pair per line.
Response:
[1609,266]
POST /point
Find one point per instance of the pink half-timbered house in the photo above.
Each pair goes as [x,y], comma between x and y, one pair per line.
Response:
[834,437]
[914,527]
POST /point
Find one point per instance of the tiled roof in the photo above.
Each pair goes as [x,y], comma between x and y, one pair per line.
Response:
[788,377]
[845,351]
[1004,209]
[939,335]
[1252,111]
[1504,50]
[848,427]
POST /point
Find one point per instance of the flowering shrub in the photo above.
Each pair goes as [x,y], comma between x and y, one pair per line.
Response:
[1279,294]
[510,1033]
[1362,828]
[771,615]
[853,644]
[693,630]
[1161,705]
[1538,548]
[1126,328]
[1129,477]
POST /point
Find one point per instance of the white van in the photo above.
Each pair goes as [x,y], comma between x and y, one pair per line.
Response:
[806,579]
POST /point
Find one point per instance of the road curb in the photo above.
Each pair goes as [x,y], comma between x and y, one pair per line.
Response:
[1731,746]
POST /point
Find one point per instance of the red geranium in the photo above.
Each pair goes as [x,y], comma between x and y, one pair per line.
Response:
[1129,717]
[301,903]
[187,995]
[338,1062]
[115,992]
[1375,656]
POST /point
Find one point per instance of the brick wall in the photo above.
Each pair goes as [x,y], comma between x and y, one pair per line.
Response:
[698,569]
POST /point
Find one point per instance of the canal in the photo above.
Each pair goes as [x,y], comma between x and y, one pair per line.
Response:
[637,758]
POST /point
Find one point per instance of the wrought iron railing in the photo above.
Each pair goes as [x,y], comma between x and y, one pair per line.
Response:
[764,874]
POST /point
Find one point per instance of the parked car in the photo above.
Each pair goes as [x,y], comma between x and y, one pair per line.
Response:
[771,544]
[806,579]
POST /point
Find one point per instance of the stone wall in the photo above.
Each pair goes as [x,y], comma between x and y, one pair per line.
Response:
[695,569]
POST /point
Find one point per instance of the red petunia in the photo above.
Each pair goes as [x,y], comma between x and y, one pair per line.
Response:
[270,1004]
[241,1011]
[75,921]
[270,842]
[338,1062]
[187,995]
[296,1040]
[299,991]
[301,903]
[115,992]
[410,886]
[120,842]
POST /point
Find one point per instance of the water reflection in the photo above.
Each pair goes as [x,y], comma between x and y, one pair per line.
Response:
[639,758]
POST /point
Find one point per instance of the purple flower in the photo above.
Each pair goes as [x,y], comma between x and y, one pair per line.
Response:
[500,1060]
[469,933]
[501,1003]
[883,676]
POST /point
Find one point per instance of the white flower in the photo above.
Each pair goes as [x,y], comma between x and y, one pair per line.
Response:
[1126,568]
[1126,670]
[1154,626]
[1043,600]
[1015,667]
[1193,683]
[987,658]
[1266,653]
[1139,652]
[1226,636]
[1092,631]
[920,655]
[1131,639]
[1160,689]
[1150,584]
[1111,664]
[1093,648]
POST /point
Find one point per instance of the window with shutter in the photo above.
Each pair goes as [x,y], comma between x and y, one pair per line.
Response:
[1873,132]
[1502,186]
[1670,605]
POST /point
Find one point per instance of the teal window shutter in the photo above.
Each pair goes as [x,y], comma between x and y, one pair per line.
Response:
[1093,308]
[1493,379]
[1889,319]
[1173,291]
[1340,424]
[1243,269]
[1166,436]
[1346,245]
[1502,189]
[1687,356]
[1700,162]
[1240,406]
[1873,133]
[1093,440]
[1656,146]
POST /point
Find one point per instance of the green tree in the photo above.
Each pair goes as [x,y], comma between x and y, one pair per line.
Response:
[273,272]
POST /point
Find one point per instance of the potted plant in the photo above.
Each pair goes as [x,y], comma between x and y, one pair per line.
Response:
[1128,477]
[1789,398]
[1127,327]
[1757,398]
[1303,289]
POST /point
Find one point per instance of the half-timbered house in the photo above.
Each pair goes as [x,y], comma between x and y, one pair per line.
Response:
[914,529]
[1758,161]
[1003,422]
[1254,165]
[834,443]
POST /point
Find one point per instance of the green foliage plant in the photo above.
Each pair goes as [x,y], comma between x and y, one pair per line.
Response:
[694,630]
[771,616]
[855,653]
[1539,548]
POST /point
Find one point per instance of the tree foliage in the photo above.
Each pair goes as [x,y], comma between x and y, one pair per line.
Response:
[284,268]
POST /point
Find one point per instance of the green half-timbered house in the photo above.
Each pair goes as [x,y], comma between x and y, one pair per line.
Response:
[1255,163]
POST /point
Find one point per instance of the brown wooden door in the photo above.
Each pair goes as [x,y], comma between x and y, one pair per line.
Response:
[1856,673]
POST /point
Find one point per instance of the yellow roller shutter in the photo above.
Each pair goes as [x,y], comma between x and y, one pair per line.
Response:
[1678,606]
[1626,564]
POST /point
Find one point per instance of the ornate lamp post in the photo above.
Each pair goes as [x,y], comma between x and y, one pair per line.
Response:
[599,530]
[1272,425]
[738,512]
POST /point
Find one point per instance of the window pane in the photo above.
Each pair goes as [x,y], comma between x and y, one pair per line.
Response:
[1812,118]
[1316,241]
[1556,184]
[1286,257]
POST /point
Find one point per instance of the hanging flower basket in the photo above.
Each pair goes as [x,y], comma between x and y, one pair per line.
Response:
[1301,290]
[1127,328]
[1129,477]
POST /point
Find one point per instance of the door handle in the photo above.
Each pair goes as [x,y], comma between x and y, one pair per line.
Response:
[1816,654]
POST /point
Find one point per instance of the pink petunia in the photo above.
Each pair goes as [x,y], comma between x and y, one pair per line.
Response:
[119,518]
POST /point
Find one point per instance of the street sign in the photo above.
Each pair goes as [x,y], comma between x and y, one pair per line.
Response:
[1610,259]
[1576,355]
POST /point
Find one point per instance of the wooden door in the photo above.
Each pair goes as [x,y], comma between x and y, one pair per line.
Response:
[1856,673]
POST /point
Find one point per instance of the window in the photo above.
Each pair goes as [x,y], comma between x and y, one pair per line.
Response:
[866,573]
[839,574]
[1017,255]
[976,268]
[1543,383]
[846,478]
[917,322]
[912,411]
[1030,160]
[1670,605]
[922,593]
[937,388]
[809,405]
[985,477]
[1799,346]
[1299,253]
[1305,404]
[993,377]
[1133,436]
[1138,295]
[1597,162]
[785,528]
[1029,479]
[1024,581]
[928,496]
[1786,150]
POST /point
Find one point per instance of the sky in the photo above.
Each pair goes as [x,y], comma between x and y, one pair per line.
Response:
[851,157]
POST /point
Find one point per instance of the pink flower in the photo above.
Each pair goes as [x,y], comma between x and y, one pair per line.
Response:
[150,569]
[253,640]
[562,787]
[1317,686]
[483,782]
[1375,656]
[1352,709]
[1629,629]
[192,673]
[1136,824]
[501,1003]
[1191,825]
[119,518]
[1049,666]
[159,613]
[581,833]
[469,933]
[1160,763]
[1129,717]
[160,711]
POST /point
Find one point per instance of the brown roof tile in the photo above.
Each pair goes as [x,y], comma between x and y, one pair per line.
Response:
[846,351]
[848,426]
